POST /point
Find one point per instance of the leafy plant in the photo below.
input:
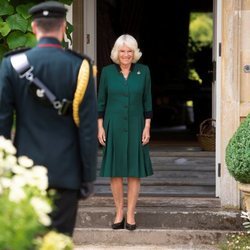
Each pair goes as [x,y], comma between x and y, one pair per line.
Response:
[200,38]
[201,28]
[55,241]
[239,240]
[15,25]
[246,224]
[238,153]
[25,204]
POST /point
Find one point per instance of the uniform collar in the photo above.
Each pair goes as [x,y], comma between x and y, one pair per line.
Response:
[49,42]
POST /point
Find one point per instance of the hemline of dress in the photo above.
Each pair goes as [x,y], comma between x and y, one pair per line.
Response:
[127,176]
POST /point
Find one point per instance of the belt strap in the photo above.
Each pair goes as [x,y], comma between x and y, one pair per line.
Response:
[22,66]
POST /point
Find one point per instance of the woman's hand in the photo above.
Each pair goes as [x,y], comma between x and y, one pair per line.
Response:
[101,136]
[145,135]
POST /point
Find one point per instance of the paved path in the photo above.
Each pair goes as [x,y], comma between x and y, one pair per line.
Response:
[140,247]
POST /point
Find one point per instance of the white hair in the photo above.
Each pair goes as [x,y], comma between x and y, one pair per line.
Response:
[128,41]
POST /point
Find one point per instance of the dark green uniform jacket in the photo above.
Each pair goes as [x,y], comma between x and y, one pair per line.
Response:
[125,104]
[47,138]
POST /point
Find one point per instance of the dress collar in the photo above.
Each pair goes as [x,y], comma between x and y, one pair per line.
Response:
[120,70]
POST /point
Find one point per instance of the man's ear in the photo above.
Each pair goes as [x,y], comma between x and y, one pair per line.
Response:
[64,26]
[34,27]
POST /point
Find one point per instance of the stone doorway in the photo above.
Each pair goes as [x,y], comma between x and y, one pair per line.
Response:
[167,58]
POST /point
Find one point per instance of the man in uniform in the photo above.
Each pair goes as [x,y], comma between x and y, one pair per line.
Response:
[45,130]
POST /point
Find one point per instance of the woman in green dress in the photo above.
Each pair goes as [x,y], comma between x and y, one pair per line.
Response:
[125,112]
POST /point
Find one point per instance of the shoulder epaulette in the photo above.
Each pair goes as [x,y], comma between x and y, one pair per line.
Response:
[82,56]
[15,51]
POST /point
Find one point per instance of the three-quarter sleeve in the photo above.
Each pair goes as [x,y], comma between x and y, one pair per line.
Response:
[102,95]
[147,96]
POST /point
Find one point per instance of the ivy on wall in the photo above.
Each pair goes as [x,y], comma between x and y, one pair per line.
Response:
[15,25]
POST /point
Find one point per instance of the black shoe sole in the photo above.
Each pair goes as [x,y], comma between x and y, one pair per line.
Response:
[130,227]
[119,225]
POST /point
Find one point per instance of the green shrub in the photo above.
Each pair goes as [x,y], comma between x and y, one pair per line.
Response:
[15,25]
[238,153]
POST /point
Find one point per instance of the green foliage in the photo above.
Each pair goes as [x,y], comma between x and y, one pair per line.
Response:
[239,240]
[26,204]
[15,25]
[5,8]
[201,28]
[238,153]
[21,233]
[200,37]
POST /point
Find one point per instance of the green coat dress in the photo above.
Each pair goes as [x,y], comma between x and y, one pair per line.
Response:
[124,104]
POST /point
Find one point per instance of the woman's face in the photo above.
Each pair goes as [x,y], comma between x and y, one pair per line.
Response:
[125,55]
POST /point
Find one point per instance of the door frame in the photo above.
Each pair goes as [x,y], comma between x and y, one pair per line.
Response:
[90,48]
[216,88]
[84,20]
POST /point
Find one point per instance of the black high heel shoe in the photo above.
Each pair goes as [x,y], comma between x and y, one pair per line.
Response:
[130,226]
[119,225]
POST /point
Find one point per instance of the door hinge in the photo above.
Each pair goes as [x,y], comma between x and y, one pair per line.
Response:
[88,39]
[219,49]
[219,169]
[214,71]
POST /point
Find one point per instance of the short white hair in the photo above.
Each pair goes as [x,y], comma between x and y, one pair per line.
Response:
[130,42]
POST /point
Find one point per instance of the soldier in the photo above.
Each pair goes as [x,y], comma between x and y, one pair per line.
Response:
[38,86]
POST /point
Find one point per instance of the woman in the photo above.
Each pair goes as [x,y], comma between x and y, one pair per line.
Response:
[125,112]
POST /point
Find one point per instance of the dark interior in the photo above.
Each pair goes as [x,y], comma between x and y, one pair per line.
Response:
[162,31]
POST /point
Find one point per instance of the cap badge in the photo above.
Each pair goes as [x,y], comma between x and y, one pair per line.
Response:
[45,13]
[138,72]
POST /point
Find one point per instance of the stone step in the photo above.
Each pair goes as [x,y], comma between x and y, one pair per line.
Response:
[158,218]
[192,168]
[171,178]
[177,206]
[178,161]
[165,167]
[164,202]
[176,173]
[143,247]
[166,151]
[166,190]
[161,217]
[178,181]
[149,238]
[161,221]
